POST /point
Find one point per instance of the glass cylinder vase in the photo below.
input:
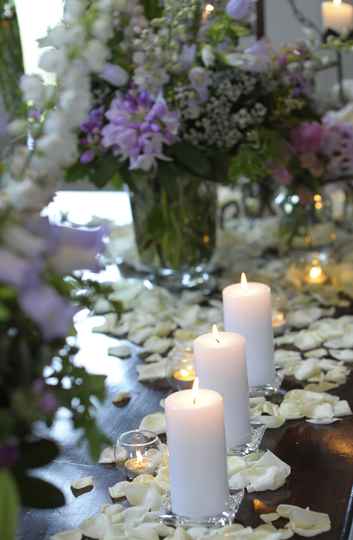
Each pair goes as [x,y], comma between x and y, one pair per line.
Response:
[175,223]
[306,225]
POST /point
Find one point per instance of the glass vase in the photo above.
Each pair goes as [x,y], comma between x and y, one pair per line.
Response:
[306,226]
[175,225]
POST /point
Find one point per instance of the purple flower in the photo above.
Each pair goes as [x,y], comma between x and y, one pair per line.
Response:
[92,130]
[337,147]
[115,75]
[77,249]
[262,53]
[307,137]
[87,157]
[52,313]
[8,455]
[16,271]
[239,9]
[48,403]
[138,129]
[187,57]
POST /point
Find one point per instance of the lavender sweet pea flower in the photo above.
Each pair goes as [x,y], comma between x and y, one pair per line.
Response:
[115,75]
[14,270]
[52,313]
[77,249]
[260,53]
[239,9]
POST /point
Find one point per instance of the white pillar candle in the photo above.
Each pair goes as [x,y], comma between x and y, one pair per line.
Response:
[337,16]
[221,366]
[197,453]
[248,312]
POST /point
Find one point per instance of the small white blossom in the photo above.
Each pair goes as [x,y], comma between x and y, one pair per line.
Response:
[96,55]
[33,89]
[208,56]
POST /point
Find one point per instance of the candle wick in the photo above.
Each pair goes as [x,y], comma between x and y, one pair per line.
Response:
[218,341]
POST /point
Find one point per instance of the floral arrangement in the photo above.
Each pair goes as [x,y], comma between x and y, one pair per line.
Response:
[40,288]
[180,93]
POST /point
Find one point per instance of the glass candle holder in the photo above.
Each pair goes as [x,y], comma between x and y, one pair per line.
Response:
[314,272]
[143,452]
[182,373]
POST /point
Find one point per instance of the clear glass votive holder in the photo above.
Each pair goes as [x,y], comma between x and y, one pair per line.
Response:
[143,452]
[181,370]
[252,445]
[268,389]
[224,519]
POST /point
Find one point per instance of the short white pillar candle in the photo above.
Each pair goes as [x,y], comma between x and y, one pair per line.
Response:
[221,366]
[197,453]
[337,16]
[248,312]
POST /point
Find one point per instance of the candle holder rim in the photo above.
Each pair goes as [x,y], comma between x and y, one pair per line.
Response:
[154,439]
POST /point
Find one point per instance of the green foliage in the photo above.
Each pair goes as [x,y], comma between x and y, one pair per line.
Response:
[100,172]
[193,159]
[9,506]
[79,398]
[224,28]
[153,9]
[37,493]
[38,453]
[252,159]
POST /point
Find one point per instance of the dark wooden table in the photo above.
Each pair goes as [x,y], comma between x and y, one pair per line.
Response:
[321,458]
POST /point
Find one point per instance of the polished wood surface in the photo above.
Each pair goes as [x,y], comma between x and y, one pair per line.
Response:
[321,458]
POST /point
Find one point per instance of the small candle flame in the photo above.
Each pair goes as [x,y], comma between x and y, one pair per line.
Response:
[139,457]
[315,272]
[337,2]
[195,389]
[215,333]
[244,281]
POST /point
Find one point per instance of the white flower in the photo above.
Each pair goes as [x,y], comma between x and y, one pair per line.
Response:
[96,55]
[54,61]
[208,56]
[33,89]
[102,28]
[74,9]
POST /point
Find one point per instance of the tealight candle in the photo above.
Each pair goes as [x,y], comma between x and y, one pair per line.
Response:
[279,322]
[248,312]
[197,453]
[337,15]
[314,274]
[139,465]
[185,374]
[221,366]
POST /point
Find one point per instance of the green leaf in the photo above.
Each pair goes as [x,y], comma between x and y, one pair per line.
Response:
[153,9]
[38,453]
[192,159]
[9,506]
[37,493]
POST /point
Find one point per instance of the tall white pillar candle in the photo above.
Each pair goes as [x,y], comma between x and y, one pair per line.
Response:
[197,453]
[248,312]
[221,366]
[337,16]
